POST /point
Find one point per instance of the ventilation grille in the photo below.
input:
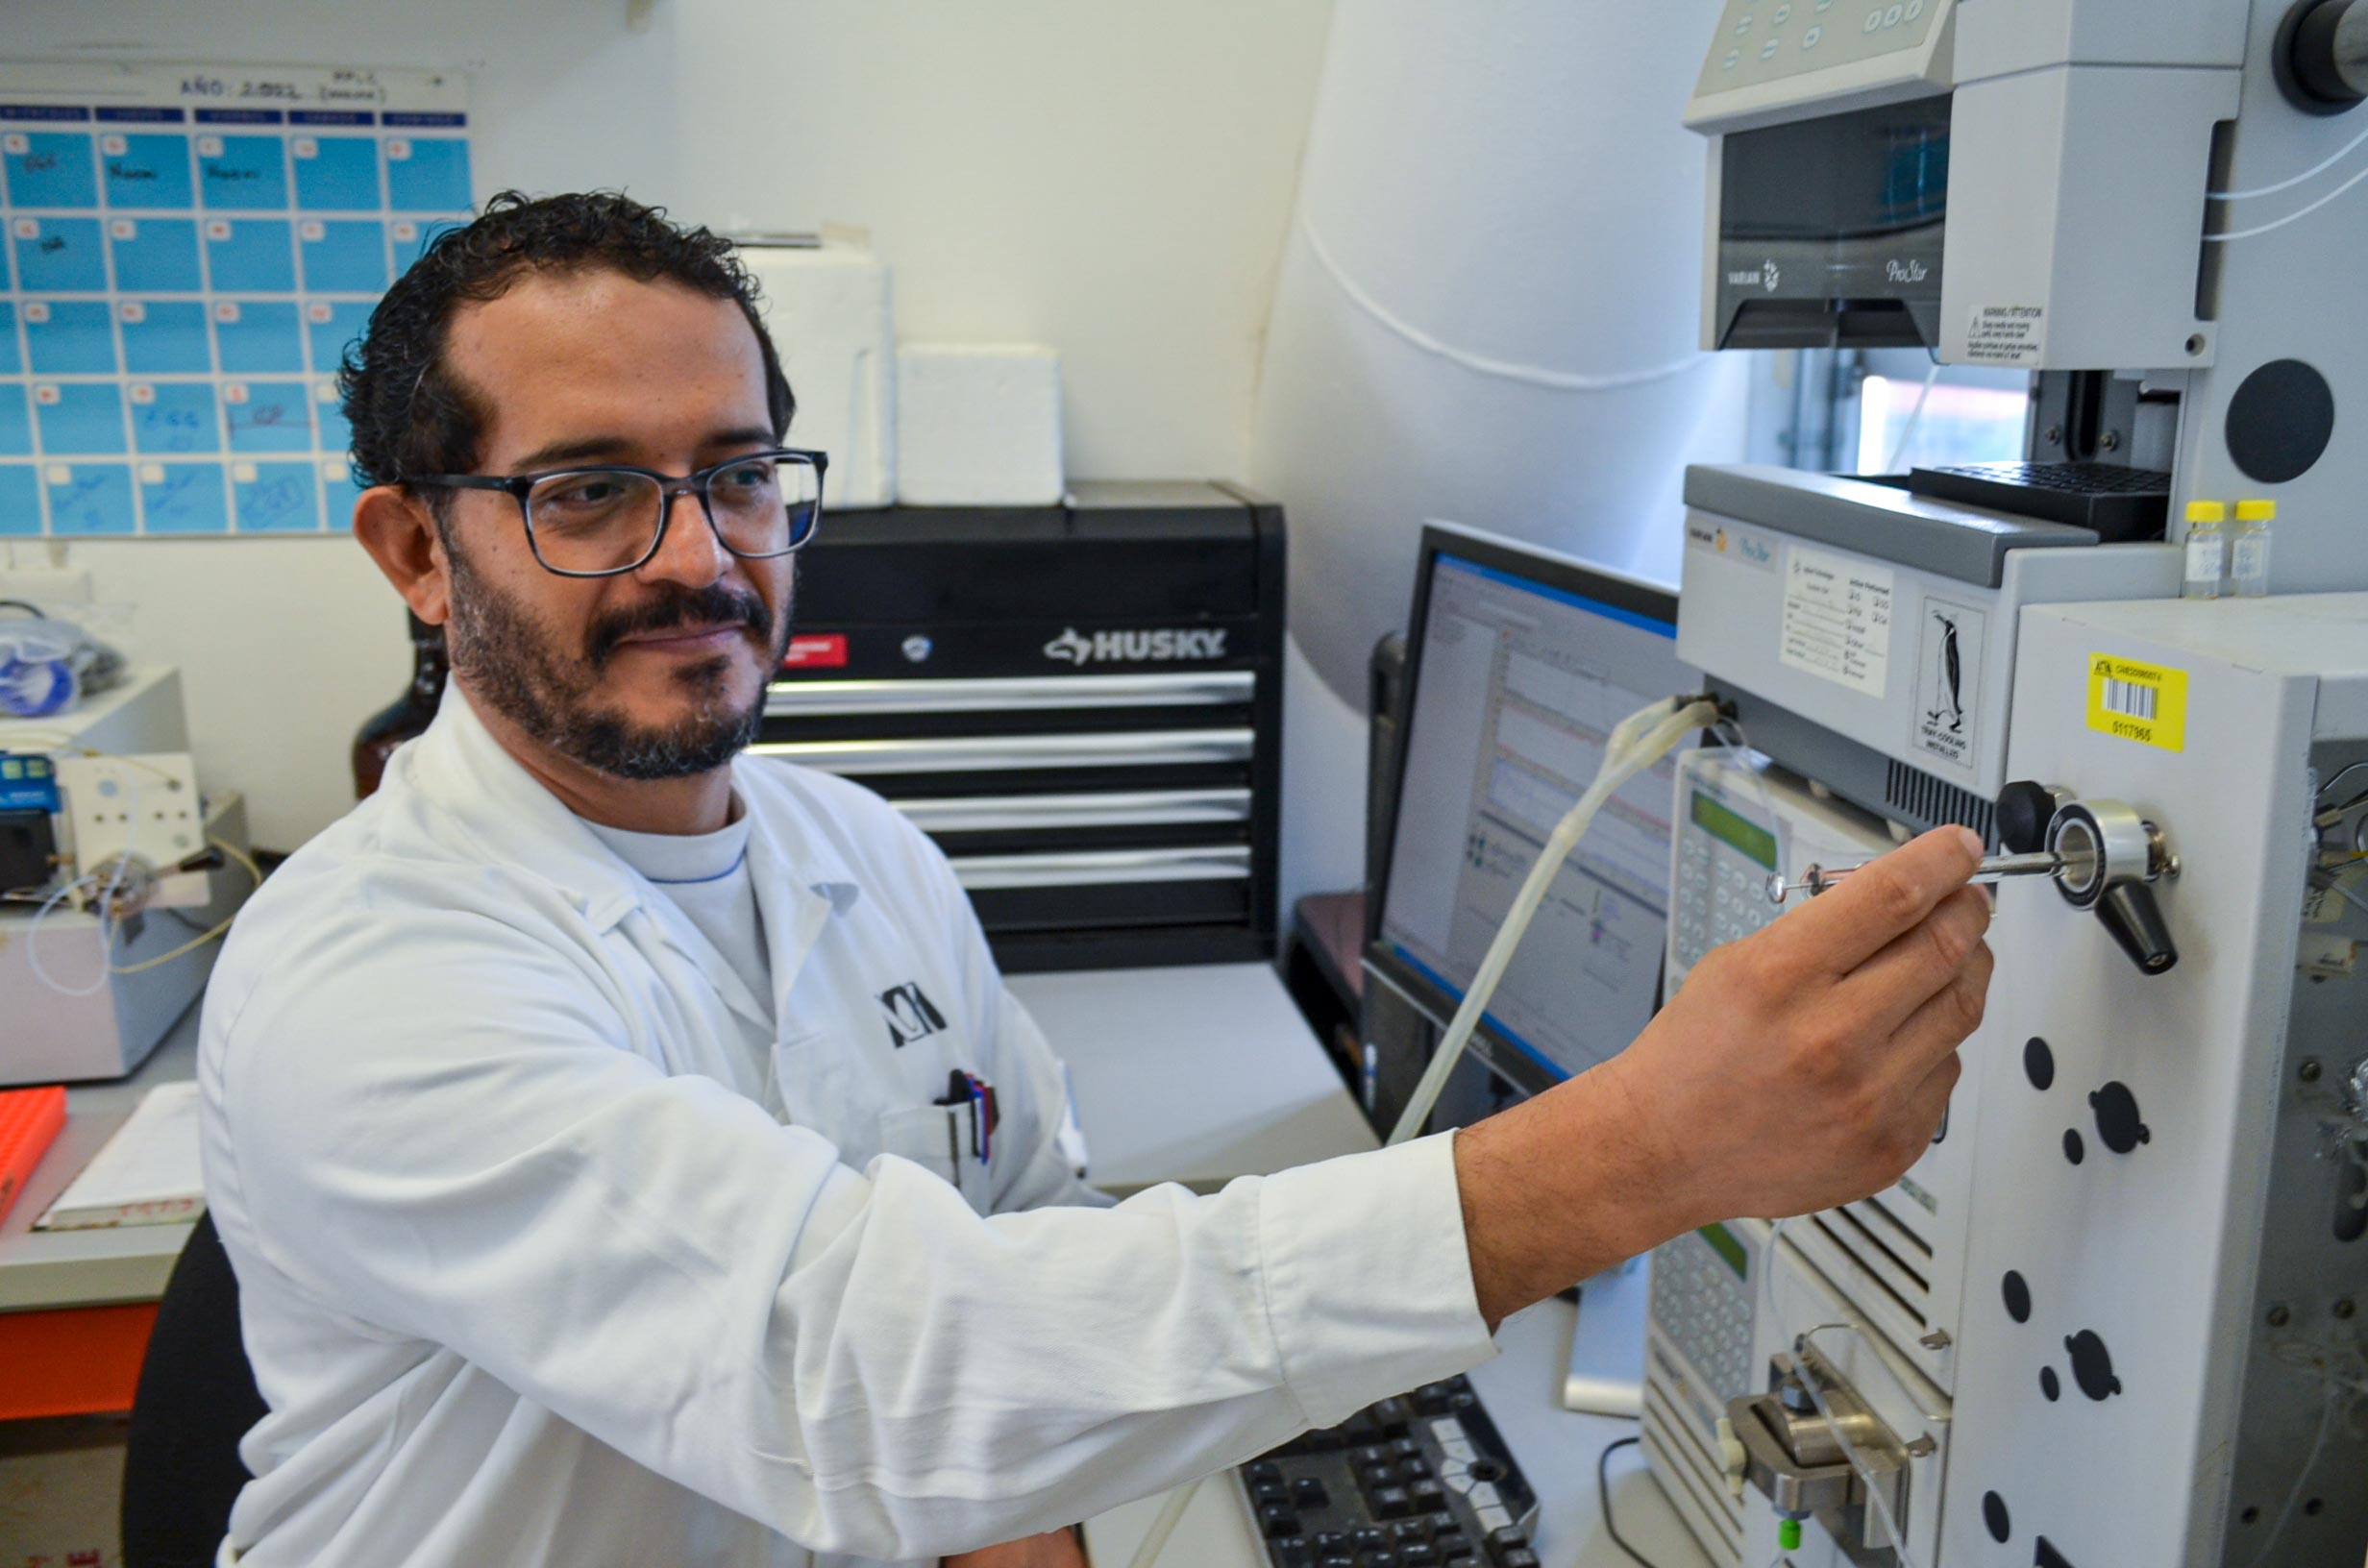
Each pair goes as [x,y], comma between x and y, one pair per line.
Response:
[1927,803]
[1895,1260]
[1681,1463]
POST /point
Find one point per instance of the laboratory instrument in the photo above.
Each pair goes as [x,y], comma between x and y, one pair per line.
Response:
[121,875]
[1742,819]
[2158,1257]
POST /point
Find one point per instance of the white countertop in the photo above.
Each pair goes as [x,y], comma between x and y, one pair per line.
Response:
[1194,1075]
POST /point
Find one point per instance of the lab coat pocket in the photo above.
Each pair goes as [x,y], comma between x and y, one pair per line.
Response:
[937,1138]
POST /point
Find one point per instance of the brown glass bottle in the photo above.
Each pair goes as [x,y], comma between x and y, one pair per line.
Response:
[392,725]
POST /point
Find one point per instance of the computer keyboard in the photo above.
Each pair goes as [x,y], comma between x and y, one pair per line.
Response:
[2120,504]
[1422,1481]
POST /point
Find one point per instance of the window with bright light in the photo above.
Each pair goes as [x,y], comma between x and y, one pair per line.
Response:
[1882,411]
[1926,423]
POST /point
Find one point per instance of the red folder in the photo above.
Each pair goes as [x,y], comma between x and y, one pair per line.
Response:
[29,1119]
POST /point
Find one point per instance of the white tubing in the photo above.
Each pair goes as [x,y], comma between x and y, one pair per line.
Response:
[1637,743]
[1164,1526]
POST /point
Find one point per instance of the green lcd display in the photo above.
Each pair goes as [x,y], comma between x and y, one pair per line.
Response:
[1737,832]
[1722,1242]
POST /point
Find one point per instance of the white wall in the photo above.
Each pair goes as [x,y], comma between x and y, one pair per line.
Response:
[1488,313]
[1114,180]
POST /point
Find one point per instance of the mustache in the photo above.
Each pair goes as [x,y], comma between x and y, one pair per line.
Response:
[712,605]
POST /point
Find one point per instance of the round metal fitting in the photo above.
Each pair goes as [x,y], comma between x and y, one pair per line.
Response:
[2101,843]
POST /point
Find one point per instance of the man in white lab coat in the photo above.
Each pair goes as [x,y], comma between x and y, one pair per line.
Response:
[627,1149]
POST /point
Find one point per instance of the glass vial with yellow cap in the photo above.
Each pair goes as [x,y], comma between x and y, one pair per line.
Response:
[2249,549]
[2208,547]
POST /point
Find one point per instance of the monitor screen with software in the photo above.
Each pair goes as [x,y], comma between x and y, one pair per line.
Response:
[1519,663]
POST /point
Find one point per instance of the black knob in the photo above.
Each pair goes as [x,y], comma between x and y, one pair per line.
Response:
[2024,811]
[2130,914]
[2325,55]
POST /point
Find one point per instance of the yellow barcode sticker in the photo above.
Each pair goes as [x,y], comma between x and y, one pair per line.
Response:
[2142,702]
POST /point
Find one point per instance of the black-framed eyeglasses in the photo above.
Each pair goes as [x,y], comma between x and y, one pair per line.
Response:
[600,521]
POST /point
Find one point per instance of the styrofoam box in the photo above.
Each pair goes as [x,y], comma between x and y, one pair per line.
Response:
[979,424]
[829,312]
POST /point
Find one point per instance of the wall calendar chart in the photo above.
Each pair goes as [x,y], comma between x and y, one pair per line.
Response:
[184,254]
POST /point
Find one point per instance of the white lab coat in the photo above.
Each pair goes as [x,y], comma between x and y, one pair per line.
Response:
[536,1267]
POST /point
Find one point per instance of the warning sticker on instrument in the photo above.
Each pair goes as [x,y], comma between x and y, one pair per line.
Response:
[1837,618]
[2006,335]
[2142,702]
[1948,679]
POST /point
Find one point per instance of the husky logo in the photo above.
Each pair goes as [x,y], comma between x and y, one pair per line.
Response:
[1166,646]
[911,1015]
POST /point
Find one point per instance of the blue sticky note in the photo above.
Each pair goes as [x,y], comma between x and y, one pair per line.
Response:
[339,491]
[251,256]
[152,169]
[51,168]
[258,336]
[59,255]
[10,363]
[70,338]
[164,337]
[344,256]
[20,498]
[427,174]
[332,325]
[267,416]
[329,418]
[247,174]
[156,256]
[183,498]
[410,238]
[336,174]
[89,498]
[79,417]
[277,498]
[173,416]
[16,421]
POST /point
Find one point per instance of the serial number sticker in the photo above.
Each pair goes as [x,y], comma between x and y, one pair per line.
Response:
[2142,702]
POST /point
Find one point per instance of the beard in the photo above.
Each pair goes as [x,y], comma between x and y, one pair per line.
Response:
[495,646]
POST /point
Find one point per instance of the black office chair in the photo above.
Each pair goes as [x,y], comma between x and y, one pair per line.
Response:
[196,1398]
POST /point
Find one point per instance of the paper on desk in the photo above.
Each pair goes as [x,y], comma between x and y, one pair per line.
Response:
[147,1174]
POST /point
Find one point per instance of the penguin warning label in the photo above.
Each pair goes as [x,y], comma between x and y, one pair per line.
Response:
[1948,683]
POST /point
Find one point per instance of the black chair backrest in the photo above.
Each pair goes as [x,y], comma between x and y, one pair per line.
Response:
[196,1400]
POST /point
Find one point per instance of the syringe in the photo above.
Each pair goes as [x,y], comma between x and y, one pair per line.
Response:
[1995,869]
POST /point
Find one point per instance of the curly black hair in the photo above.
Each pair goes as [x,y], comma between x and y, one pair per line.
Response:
[410,416]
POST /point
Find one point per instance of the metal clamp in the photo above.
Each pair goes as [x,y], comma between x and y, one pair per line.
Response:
[1794,1457]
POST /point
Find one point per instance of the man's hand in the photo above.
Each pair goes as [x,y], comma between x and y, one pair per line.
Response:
[1057,1549]
[1804,1066]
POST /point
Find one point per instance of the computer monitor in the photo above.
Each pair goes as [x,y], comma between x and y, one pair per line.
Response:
[1518,664]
